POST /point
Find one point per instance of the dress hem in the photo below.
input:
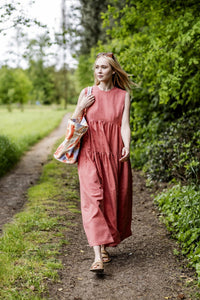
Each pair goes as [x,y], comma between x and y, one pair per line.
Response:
[113,244]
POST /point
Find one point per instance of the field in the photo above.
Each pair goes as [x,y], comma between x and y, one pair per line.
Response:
[25,128]
[21,129]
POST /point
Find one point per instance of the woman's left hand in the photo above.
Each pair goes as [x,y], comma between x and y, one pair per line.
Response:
[125,154]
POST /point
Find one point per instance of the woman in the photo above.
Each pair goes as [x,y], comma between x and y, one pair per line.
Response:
[103,164]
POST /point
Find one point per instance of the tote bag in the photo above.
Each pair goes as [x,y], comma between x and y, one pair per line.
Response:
[67,152]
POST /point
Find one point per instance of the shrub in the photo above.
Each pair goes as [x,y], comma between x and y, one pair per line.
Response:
[176,152]
[180,206]
[9,154]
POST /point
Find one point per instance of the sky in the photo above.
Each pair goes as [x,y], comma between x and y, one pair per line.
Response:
[47,12]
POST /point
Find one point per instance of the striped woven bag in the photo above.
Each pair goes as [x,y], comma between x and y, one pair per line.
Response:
[67,152]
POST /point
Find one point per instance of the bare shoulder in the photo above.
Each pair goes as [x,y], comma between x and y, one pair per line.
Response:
[81,95]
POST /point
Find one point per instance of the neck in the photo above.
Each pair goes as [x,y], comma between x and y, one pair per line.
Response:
[106,86]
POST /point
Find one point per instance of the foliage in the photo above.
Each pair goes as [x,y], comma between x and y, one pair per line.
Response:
[42,77]
[42,82]
[164,63]
[37,83]
[9,154]
[17,24]
[30,245]
[14,86]
[13,14]
[84,71]
[176,151]
[181,209]
[50,84]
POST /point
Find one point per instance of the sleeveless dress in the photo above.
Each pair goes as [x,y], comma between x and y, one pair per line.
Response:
[105,182]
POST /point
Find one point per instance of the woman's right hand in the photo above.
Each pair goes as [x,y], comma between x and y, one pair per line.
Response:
[86,101]
[83,103]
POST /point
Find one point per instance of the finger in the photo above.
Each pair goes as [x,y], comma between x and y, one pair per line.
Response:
[89,102]
[90,97]
[125,156]
[123,159]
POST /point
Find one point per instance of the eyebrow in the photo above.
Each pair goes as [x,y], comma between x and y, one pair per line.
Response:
[101,65]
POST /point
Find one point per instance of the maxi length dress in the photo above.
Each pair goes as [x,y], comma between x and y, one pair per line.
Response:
[105,182]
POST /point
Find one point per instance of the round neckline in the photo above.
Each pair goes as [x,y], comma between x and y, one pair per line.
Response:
[105,91]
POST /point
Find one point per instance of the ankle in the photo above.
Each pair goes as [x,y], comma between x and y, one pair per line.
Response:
[97,253]
[98,258]
[103,248]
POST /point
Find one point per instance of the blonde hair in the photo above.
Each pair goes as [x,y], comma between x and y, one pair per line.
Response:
[120,77]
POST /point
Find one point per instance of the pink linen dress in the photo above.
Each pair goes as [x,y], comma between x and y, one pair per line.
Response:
[105,182]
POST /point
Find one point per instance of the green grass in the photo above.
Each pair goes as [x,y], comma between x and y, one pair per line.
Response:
[27,127]
[23,129]
[30,245]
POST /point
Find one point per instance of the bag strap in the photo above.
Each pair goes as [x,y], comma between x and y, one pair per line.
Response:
[89,90]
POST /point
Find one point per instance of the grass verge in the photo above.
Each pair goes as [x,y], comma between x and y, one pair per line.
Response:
[19,130]
[30,245]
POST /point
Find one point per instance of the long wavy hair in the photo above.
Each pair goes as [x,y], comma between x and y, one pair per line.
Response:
[120,78]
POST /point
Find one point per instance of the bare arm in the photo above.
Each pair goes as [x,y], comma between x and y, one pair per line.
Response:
[125,129]
[83,102]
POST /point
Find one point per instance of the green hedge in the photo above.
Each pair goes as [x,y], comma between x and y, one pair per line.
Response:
[175,153]
[181,209]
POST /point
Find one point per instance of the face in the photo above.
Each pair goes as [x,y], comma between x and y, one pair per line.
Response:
[103,70]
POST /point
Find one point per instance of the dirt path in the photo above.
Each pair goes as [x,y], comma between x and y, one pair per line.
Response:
[143,267]
[14,185]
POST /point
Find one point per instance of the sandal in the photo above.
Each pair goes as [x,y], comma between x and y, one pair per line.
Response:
[105,256]
[97,267]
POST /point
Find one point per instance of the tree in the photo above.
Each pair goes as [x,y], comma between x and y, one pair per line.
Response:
[14,16]
[14,87]
[87,30]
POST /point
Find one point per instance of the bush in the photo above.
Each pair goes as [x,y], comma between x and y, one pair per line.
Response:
[176,152]
[9,154]
[157,43]
[180,206]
